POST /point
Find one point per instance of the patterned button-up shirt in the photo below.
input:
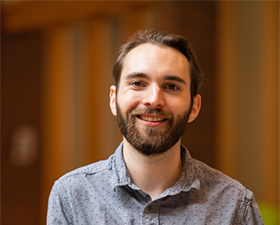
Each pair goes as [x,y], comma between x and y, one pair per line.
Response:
[103,193]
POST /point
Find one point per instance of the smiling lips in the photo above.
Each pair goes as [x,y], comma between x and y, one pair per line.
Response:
[151,118]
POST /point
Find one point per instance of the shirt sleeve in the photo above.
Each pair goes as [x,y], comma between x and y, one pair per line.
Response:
[58,212]
[252,214]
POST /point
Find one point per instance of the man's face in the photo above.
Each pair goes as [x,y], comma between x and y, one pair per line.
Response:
[153,103]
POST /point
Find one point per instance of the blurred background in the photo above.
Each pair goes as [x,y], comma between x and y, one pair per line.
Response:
[56,64]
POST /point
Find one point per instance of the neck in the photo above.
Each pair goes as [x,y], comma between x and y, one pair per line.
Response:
[153,174]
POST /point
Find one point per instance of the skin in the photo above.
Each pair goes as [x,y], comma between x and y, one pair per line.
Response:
[156,77]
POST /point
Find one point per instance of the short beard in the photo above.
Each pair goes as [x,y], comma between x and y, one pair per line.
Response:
[155,141]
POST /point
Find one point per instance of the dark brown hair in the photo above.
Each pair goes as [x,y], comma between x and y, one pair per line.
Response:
[166,39]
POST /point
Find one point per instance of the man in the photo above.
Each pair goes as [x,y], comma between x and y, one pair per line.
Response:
[151,178]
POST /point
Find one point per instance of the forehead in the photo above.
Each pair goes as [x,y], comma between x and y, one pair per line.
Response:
[152,59]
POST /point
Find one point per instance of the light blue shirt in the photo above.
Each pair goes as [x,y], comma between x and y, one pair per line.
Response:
[103,193]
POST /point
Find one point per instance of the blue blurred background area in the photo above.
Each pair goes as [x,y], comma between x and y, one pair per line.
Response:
[56,70]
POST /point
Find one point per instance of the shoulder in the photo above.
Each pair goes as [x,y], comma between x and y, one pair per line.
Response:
[80,176]
[77,190]
[214,179]
[228,194]
[91,169]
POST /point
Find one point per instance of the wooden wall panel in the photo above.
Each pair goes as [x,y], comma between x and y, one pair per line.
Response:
[270,101]
[248,109]
[100,129]
[58,108]
[20,128]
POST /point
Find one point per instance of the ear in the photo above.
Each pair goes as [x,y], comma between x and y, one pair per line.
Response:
[113,100]
[195,108]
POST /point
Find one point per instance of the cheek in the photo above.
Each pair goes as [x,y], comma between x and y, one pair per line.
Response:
[179,108]
[127,102]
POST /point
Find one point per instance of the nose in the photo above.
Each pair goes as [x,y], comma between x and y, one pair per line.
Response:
[154,97]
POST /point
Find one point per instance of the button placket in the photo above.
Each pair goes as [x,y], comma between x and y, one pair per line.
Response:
[150,214]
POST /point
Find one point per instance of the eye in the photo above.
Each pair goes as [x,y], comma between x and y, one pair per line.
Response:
[137,84]
[172,87]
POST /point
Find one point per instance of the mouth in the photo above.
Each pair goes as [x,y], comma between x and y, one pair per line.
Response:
[150,118]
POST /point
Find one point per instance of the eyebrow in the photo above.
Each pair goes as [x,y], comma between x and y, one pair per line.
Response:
[174,78]
[136,75]
[166,78]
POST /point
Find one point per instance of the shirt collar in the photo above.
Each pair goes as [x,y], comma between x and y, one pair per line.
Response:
[188,178]
[120,176]
[186,182]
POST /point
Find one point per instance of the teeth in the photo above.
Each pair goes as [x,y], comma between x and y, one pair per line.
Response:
[151,119]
